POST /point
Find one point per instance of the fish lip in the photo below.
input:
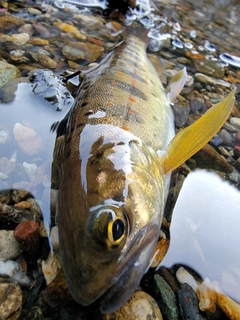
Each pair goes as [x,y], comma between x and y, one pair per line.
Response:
[129,279]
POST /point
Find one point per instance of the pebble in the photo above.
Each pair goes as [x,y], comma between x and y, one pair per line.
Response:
[28,139]
[226,137]
[11,301]
[27,235]
[65,27]
[9,22]
[23,205]
[20,38]
[198,105]
[34,11]
[235,122]
[9,247]
[50,267]
[82,51]
[216,82]
[20,195]
[46,61]
[8,72]
[209,158]
[166,299]
[181,112]
[140,306]
[188,303]
[160,252]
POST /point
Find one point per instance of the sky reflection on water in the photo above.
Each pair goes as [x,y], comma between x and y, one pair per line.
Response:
[205,230]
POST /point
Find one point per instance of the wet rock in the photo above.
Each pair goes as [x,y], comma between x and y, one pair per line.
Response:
[198,105]
[19,39]
[235,122]
[5,196]
[181,112]
[20,195]
[188,303]
[166,299]
[50,267]
[9,22]
[209,80]
[34,11]
[140,306]
[35,207]
[65,27]
[26,28]
[11,301]
[23,205]
[209,158]
[209,67]
[226,137]
[82,51]
[28,139]
[27,235]
[9,247]
[46,61]
[160,252]
[8,72]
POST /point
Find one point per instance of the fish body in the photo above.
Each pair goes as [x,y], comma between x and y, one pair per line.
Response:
[112,160]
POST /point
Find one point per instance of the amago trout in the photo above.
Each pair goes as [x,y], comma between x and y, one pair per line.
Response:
[113,157]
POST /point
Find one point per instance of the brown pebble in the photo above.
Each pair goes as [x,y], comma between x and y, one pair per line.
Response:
[27,234]
[23,205]
[10,301]
[160,252]
[46,61]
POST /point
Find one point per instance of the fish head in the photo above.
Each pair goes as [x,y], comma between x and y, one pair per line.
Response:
[108,234]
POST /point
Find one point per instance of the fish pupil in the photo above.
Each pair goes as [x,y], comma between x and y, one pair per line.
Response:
[117,229]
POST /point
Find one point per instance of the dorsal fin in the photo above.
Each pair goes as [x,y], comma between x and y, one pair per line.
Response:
[191,139]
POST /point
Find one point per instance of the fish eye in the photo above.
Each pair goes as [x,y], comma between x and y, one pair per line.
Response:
[109,226]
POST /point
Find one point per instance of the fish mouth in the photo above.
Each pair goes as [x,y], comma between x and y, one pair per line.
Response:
[133,270]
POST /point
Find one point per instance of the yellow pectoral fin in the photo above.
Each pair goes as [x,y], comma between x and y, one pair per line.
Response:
[191,139]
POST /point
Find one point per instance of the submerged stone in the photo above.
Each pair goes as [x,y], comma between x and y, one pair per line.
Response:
[8,72]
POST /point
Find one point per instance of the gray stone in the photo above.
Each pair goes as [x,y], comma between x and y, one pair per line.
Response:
[166,299]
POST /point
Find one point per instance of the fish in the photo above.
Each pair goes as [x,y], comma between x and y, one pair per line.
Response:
[113,157]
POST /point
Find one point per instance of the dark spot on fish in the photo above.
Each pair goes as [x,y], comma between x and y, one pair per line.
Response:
[133,63]
[155,118]
[153,94]
[128,88]
[88,113]
[132,74]
[84,104]
[85,85]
